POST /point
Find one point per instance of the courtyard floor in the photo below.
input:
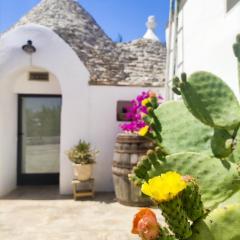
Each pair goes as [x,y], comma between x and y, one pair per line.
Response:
[40,213]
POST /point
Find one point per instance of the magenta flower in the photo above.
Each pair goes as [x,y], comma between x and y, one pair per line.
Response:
[135,111]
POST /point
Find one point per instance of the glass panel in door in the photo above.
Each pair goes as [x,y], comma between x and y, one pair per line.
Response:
[39,138]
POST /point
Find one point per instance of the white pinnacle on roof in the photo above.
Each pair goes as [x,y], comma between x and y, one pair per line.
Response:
[151,25]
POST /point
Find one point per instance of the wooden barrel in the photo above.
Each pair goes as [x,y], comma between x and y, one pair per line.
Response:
[129,148]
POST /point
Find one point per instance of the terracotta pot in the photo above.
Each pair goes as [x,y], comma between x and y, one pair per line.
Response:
[82,172]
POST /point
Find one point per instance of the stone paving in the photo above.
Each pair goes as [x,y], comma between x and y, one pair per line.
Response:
[40,213]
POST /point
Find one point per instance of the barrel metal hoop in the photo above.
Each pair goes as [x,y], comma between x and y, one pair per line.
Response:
[123,166]
[121,171]
[130,139]
[143,151]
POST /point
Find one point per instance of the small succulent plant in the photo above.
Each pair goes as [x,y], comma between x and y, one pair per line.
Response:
[82,153]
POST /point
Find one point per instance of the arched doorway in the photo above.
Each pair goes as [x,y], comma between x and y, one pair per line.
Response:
[38,126]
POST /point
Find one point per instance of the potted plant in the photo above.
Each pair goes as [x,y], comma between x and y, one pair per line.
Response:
[83,158]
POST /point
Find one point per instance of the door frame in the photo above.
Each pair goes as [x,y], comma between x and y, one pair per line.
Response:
[36,178]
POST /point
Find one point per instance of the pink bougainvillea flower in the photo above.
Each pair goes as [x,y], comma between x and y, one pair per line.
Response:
[134,111]
[145,225]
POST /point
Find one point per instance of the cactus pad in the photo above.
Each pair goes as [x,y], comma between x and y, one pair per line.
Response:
[221,224]
[191,199]
[222,143]
[181,131]
[235,156]
[176,218]
[210,100]
[236,48]
[218,180]
[234,199]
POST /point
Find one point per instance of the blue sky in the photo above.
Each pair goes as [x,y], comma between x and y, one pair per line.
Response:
[124,17]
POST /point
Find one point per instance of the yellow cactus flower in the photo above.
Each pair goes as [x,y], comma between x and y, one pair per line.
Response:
[164,187]
[146,101]
[143,131]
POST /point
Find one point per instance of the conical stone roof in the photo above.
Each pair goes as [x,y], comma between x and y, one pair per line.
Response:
[103,58]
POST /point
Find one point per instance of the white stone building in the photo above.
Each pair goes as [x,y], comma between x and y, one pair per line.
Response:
[66,90]
[206,31]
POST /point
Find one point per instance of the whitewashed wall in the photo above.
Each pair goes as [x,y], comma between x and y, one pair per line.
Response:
[22,85]
[206,35]
[88,112]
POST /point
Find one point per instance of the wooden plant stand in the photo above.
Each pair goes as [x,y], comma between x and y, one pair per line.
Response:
[90,192]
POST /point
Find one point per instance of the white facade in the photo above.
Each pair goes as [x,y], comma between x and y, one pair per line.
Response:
[206,33]
[88,112]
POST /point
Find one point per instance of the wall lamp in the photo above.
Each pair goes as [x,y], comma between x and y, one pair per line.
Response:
[29,48]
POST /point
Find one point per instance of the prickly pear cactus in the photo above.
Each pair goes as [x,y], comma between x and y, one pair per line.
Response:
[236,49]
[220,224]
[200,137]
[218,180]
[210,100]
[180,131]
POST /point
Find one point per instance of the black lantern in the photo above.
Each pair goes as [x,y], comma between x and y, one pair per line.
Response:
[29,48]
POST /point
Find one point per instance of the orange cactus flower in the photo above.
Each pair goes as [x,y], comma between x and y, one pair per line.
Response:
[145,225]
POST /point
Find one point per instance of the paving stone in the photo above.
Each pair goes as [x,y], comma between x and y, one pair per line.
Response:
[41,213]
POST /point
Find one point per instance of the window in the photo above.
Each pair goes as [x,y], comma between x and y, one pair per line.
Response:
[122,110]
[231,4]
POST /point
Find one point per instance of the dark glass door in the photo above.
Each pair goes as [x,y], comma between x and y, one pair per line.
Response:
[38,139]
